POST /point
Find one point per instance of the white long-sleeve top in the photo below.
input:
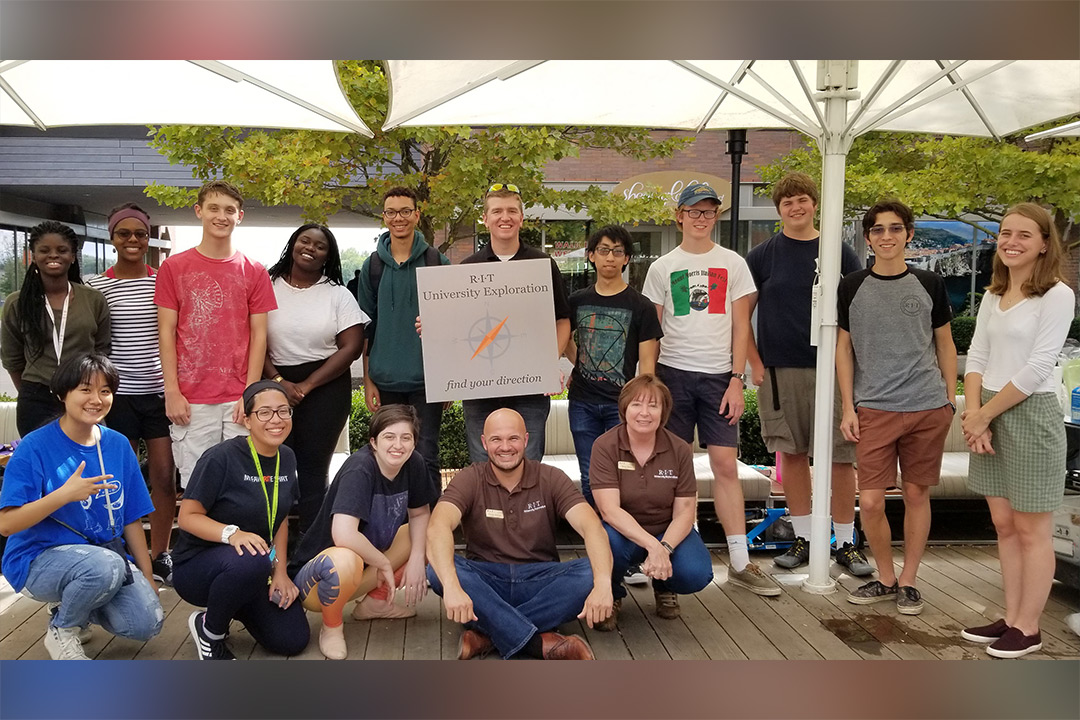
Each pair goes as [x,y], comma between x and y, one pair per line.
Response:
[1020,345]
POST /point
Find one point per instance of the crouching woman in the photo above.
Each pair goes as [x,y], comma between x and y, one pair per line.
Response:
[72,504]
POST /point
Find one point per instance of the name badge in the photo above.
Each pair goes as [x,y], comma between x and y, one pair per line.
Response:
[627,465]
[493,513]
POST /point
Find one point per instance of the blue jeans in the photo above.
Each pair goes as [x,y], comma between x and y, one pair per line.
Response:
[513,602]
[533,409]
[430,414]
[589,421]
[691,564]
[87,581]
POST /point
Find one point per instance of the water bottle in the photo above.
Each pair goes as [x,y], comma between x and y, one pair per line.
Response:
[1076,404]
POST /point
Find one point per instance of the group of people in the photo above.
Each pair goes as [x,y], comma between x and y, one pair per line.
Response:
[224,370]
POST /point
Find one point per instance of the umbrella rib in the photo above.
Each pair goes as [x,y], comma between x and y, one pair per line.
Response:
[21,103]
[783,100]
[220,68]
[940,93]
[809,95]
[871,124]
[879,86]
[954,79]
[504,73]
[743,69]
[1061,129]
[787,120]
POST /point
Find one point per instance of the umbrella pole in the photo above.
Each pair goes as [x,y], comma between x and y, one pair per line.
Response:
[834,148]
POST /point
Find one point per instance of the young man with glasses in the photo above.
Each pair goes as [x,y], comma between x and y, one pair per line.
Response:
[784,268]
[702,295]
[896,369]
[503,215]
[393,359]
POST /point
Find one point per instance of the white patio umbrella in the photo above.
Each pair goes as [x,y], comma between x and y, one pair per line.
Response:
[831,101]
[301,94]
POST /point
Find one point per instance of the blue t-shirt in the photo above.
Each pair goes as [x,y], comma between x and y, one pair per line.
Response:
[42,463]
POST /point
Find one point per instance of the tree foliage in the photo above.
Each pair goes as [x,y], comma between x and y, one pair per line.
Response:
[973,180]
[449,167]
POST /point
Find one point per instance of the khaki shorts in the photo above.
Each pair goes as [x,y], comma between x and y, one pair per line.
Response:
[786,411]
[915,439]
[209,425]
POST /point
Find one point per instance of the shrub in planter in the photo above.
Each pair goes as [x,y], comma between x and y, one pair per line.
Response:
[963,328]
[752,450]
[453,450]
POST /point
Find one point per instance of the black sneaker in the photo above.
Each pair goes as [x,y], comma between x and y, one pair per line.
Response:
[161,566]
[634,576]
[852,559]
[796,555]
[206,647]
[908,600]
[873,592]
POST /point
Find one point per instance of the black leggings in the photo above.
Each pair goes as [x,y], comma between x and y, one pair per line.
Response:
[317,423]
[234,586]
[36,406]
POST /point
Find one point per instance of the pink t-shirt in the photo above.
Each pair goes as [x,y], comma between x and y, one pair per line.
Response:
[214,300]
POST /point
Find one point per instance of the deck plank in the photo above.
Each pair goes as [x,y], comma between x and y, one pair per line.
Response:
[749,640]
[840,624]
[676,637]
[640,638]
[713,638]
[423,637]
[21,642]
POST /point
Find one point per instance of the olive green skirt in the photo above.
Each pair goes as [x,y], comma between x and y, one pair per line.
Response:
[1029,467]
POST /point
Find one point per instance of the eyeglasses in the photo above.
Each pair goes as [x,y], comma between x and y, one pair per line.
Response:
[504,186]
[125,234]
[405,214]
[707,214]
[265,413]
[604,251]
[879,230]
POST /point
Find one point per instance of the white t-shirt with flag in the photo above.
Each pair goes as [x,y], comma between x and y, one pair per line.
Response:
[696,292]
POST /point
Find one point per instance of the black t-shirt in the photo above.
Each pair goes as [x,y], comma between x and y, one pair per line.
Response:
[783,270]
[226,483]
[609,329]
[525,252]
[361,490]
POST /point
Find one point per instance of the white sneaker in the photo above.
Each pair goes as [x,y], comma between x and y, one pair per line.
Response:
[63,644]
[1073,622]
[86,634]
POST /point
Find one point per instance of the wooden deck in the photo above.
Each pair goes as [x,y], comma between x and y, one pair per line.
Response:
[961,586]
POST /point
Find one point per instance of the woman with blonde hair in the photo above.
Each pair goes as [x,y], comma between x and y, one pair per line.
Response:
[1013,422]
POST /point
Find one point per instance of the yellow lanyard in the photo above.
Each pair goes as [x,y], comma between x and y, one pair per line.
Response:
[271,515]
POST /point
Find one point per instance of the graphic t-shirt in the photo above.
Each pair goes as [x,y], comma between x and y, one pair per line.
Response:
[214,300]
[362,491]
[696,292]
[226,483]
[134,330]
[608,330]
[42,463]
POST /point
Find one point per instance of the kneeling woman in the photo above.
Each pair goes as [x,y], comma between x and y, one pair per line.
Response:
[643,481]
[230,556]
[71,492]
[371,532]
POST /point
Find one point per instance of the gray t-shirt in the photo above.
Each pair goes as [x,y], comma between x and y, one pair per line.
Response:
[892,321]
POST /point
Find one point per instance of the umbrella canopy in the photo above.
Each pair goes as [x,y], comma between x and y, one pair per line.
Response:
[301,94]
[833,101]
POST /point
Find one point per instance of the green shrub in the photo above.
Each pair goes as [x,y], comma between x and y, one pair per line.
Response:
[752,450]
[453,450]
[4,397]
[359,421]
[962,330]
[1074,329]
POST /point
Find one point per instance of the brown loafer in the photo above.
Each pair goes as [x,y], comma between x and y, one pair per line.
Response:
[565,647]
[473,644]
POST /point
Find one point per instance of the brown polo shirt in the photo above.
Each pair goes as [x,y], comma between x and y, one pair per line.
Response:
[511,526]
[647,492]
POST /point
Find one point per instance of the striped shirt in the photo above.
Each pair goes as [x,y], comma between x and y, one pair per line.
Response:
[134,332]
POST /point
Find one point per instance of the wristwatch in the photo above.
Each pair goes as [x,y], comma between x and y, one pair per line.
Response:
[740,376]
[227,532]
[277,378]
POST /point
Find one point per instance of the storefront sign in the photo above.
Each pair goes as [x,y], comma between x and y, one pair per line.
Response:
[672,182]
[489,330]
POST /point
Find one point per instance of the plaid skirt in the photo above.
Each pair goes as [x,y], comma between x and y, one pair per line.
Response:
[1029,467]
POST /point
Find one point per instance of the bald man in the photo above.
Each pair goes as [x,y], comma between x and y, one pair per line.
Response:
[510,590]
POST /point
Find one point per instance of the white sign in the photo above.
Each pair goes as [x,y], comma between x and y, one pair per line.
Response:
[488,330]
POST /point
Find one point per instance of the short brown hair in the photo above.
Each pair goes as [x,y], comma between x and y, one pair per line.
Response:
[646,384]
[1048,266]
[794,184]
[503,193]
[220,186]
[388,415]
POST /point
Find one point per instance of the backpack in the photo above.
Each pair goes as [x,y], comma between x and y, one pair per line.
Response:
[375,272]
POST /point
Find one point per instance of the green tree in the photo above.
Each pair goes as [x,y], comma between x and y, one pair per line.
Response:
[450,167]
[351,260]
[950,177]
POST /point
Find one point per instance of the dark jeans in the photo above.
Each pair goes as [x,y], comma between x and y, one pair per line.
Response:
[691,564]
[589,421]
[317,424]
[234,586]
[533,409]
[430,415]
[513,602]
[36,406]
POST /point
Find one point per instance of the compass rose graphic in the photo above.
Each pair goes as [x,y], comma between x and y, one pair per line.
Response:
[489,337]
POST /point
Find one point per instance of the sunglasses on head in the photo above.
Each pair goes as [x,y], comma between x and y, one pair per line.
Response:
[504,186]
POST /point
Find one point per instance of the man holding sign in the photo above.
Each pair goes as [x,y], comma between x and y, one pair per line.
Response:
[702,295]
